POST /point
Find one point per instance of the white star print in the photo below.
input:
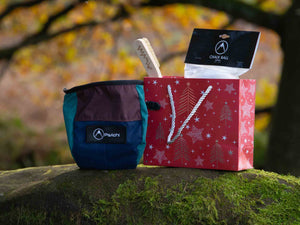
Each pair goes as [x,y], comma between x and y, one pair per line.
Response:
[196,134]
[246,109]
[229,88]
[199,161]
[252,89]
[208,105]
[244,130]
[163,103]
[160,156]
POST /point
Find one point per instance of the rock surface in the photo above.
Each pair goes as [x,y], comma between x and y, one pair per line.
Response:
[147,195]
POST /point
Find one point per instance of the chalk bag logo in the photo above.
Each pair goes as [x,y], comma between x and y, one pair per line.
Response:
[112,134]
[221,47]
[99,134]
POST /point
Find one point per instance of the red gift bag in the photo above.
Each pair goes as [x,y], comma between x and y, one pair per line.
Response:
[201,123]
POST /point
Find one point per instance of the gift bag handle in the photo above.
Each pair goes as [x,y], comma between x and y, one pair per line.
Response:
[170,140]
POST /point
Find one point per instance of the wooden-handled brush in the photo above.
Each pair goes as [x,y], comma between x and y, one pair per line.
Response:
[147,56]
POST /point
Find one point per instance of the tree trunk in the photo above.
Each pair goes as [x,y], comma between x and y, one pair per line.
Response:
[284,146]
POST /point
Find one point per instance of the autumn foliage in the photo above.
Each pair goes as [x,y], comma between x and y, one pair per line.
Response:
[56,44]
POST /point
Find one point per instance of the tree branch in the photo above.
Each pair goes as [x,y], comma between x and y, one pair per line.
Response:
[234,8]
[48,36]
[44,35]
[57,15]
[267,110]
[5,64]
[171,55]
[24,4]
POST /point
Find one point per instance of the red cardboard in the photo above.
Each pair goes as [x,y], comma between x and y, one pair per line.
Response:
[218,136]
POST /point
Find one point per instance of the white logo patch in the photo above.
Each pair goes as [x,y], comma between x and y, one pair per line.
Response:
[99,134]
[221,47]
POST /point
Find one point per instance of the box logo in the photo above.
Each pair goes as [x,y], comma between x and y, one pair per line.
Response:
[221,47]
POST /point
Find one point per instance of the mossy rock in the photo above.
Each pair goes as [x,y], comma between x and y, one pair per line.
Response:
[147,195]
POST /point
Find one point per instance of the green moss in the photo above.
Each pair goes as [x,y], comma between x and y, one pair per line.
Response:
[23,215]
[228,199]
[49,209]
[67,195]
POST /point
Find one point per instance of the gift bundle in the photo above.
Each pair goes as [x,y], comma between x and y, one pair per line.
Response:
[206,118]
[202,120]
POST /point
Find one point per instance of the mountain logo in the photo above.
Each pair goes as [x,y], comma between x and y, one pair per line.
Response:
[221,47]
[98,134]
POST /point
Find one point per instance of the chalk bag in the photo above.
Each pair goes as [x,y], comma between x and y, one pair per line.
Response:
[106,124]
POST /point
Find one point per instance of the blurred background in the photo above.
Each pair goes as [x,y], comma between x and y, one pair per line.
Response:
[46,46]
